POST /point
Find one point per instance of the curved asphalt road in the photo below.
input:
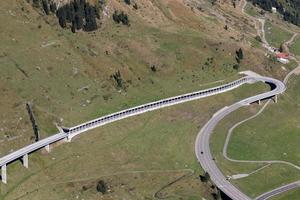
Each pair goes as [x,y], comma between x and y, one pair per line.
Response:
[279,190]
[202,148]
[260,31]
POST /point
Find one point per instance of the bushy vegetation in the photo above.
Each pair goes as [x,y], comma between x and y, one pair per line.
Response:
[153,68]
[258,38]
[101,187]
[205,178]
[128,2]
[239,55]
[276,35]
[118,79]
[121,17]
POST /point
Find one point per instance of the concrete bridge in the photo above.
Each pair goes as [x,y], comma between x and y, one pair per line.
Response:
[68,133]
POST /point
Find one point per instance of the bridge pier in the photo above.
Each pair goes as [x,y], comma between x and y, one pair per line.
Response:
[68,138]
[47,147]
[258,102]
[3,174]
[275,99]
[25,160]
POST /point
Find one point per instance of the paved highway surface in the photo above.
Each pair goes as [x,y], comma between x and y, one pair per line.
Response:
[279,190]
[31,148]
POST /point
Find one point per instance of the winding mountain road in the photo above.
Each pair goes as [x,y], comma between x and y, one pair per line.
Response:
[202,145]
[278,191]
[261,31]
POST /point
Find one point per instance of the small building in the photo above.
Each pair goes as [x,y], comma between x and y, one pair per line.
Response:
[283,57]
[274,10]
[283,60]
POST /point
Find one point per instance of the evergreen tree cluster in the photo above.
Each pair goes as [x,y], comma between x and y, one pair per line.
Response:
[47,6]
[289,8]
[78,14]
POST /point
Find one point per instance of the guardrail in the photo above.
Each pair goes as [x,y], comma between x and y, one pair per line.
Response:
[154,106]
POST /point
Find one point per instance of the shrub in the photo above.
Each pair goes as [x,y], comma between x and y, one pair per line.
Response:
[240,54]
[153,68]
[205,178]
[117,77]
[236,66]
[101,187]
[258,38]
[121,17]
[128,2]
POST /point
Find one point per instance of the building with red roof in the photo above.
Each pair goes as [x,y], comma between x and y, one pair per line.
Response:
[282,55]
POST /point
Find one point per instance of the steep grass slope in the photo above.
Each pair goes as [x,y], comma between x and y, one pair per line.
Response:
[68,77]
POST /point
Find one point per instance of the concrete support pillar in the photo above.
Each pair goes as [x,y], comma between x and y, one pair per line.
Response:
[258,102]
[25,160]
[69,139]
[47,147]
[275,99]
[3,174]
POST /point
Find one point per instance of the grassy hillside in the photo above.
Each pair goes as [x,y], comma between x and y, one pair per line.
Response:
[68,77]
[294,194]
[295,47]
[276,35]
[259,139]
[270,136]
[137,157]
